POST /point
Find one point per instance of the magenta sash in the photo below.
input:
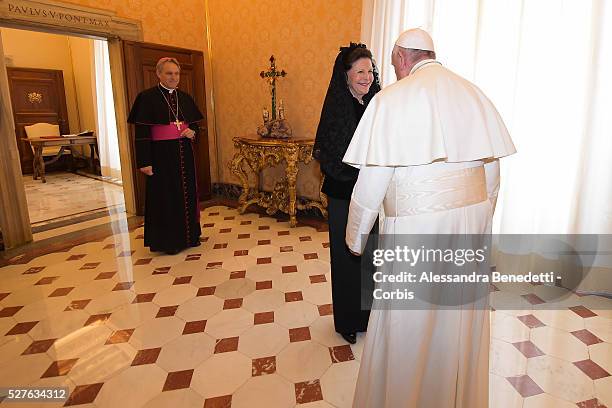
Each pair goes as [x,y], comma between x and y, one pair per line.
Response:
[167,132]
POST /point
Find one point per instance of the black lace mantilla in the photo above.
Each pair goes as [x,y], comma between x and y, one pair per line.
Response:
[338,120]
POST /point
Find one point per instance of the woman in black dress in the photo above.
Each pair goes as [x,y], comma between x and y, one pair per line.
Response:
[353,83]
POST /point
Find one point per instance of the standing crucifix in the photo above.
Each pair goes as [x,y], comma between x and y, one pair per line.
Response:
[271,76]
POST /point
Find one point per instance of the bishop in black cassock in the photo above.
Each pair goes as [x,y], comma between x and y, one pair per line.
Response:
[166,121]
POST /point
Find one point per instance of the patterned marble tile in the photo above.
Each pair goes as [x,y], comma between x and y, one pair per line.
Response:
[48,200]
[271,390]
[338,383]
[221,374]
[308,391]
[560,378]
[250,324]
[303,361]
[559,343]
[176,398]
[127,388]
[263,340]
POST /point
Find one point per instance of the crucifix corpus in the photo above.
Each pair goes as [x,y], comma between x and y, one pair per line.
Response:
[275,127]
[271,75]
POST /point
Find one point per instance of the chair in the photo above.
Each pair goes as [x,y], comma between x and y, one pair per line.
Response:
[45,129]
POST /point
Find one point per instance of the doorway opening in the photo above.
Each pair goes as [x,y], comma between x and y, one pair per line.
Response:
[66,131]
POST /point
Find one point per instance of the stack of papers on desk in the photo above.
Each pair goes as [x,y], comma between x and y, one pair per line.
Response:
[83,133]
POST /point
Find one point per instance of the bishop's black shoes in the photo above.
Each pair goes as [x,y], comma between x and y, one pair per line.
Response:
[349,337]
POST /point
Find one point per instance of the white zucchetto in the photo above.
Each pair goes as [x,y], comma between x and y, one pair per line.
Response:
[416,39]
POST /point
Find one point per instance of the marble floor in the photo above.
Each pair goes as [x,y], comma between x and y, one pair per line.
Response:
[245,321]
[68,194]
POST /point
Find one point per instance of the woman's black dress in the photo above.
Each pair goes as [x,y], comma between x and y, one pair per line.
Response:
[339,118]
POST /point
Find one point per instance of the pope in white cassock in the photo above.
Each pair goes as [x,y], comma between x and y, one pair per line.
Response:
[427,148]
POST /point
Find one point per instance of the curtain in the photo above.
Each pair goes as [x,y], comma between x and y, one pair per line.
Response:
[547,67]
[108,142]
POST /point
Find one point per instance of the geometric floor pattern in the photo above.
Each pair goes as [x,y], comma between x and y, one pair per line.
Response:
[245,321]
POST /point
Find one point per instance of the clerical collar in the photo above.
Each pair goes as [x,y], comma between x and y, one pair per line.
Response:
[167,89]
[421,64]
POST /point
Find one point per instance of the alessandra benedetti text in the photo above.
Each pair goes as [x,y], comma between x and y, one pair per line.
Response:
[493,277]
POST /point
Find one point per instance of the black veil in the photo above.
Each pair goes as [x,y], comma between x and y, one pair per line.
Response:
[338,119]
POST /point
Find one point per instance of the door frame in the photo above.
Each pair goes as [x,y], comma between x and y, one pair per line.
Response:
[135,56]
[14,217]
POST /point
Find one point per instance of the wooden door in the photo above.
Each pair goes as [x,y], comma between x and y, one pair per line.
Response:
[140,61]
[37,95]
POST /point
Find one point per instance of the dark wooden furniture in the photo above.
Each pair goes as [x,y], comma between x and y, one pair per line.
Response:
[37,96]
[39,143]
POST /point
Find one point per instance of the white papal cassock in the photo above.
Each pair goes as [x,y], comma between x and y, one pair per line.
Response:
[427,148]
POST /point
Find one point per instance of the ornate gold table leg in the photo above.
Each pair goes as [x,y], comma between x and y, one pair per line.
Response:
[323,197]
[305,156]
[236,167]
[291,172]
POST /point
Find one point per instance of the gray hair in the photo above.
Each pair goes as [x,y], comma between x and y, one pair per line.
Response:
[162,61]
[417,55]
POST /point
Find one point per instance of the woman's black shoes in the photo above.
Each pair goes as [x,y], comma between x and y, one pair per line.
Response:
[349,337]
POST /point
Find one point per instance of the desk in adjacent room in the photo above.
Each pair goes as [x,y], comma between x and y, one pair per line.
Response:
[38,143]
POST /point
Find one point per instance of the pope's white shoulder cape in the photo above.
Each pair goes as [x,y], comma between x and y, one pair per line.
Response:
[432,114]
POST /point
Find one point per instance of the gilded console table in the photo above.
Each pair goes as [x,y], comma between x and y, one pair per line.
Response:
[259,153]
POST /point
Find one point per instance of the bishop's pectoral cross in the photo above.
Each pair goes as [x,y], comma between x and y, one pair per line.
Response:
[271,76]
[178,124]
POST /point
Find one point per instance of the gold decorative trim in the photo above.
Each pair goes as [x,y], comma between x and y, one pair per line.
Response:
[14,218]
[259,154]
[35,97]
[68,18]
